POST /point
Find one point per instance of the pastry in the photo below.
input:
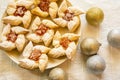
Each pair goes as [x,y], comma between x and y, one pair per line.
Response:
[45,8]
[68,16]
[12,38]
[34,57]
[18,12]
[64,45]
[42,31]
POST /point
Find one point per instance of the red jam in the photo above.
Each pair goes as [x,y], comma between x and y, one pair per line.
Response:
[35,55]
[44,5]
[68,15]
[65,42]
[20,11]
[42,29]
[12,36]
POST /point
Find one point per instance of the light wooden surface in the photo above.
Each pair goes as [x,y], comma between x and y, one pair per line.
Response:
[76,70]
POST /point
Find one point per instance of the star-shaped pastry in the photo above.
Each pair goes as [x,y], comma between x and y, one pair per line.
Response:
[13,37]
[34,57]
[68,16]
[64,45]
[42,31]
[18,12]
[45,8]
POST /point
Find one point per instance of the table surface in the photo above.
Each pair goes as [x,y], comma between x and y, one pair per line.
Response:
[76,70]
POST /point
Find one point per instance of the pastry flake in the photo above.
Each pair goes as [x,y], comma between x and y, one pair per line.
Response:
[27,19]
[27,50]
[26,3]
[20,42]
[28,64]
[53,8]
[37,11]
[57,52]
[63,7]
[7,45]
[71,36]
[47,37]
[12,20]
[49,23]
[34,37]
[75,11]
[43,49]
[73,25]
[6,30]
[56,39]
[11,7]
[10,10]
[71,50]
[35,24]
[43,61]
[19,30]
[61,22]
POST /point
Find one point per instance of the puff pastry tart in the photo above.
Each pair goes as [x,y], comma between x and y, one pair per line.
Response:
[12,38]
[68,16]
[34,57]
[42,31]
[18,12]
[45,8]
[64,45]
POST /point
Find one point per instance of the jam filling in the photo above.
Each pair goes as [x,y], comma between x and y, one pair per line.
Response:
[35,55]
[12,36]
[42,29]
[68,15]
[44,5]
[20,11]
[64,42]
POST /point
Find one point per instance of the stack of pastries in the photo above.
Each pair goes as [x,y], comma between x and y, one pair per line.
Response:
[32,27]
